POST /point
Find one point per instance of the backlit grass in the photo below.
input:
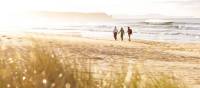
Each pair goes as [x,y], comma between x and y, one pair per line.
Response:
[46,64]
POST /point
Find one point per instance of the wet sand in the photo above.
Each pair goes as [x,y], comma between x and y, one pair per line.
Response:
[179,59]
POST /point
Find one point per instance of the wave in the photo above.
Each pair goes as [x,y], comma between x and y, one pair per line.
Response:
[158,22]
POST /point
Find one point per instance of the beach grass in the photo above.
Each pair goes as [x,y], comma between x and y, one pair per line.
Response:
[46,64]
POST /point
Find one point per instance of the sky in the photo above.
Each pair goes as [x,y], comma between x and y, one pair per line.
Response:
[177,8]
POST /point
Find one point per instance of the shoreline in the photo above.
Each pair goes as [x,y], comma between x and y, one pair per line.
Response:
[110,37]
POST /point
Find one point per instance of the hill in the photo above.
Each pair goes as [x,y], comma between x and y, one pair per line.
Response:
[75,16]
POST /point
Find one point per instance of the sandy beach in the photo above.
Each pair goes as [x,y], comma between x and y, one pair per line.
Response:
[100,44]
[179,59]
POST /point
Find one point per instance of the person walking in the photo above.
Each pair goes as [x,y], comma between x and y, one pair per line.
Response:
[122,33]
[115,31]
[129,33]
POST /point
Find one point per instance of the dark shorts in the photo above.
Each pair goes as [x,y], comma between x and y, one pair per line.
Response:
[115,34]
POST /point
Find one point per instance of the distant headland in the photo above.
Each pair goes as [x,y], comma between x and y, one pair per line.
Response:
[75,16]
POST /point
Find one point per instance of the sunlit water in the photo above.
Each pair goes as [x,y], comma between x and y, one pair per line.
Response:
[178,30]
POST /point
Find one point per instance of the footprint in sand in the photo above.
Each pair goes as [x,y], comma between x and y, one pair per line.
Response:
[8,38]
[3,36]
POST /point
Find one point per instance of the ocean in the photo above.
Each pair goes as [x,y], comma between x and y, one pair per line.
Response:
[172,30]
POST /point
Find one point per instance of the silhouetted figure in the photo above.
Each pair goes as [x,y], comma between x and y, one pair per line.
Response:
[115,33]
[129,33]
[122,33]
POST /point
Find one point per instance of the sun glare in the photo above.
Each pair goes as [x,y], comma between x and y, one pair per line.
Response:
[18,12]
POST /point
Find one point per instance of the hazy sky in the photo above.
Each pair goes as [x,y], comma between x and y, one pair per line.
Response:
[111,7]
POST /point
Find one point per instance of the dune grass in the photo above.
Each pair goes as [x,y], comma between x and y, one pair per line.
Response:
[45,65]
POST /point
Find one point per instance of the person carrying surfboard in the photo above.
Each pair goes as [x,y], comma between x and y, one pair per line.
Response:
[115,31]
[129,33]
[122,33]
